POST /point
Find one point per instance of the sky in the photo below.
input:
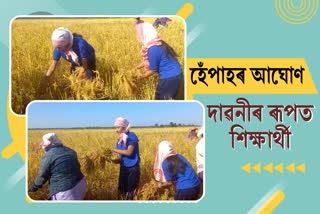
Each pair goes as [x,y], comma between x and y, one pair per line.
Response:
[71,114]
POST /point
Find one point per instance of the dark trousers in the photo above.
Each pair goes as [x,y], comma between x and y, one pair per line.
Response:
[187,194]
[129,178]
[167,89]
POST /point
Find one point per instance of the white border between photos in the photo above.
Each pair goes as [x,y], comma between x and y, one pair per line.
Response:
[92,16]
[116,201]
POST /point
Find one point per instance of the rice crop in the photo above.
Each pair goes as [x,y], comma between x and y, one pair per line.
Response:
[94,150]
[117,55]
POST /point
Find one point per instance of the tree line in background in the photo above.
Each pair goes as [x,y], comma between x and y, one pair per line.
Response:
[156,125]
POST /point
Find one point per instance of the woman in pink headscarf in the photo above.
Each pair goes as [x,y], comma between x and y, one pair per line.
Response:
[73,48]
[129,158]
[159,57]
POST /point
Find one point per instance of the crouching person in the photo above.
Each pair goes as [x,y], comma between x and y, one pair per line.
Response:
[60,166]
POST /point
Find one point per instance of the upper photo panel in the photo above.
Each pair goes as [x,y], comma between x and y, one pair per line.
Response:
[96,58]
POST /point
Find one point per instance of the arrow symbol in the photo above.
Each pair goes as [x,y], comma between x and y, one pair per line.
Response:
[257,167]
[246,168]
[279,168]
[291,168]
[268,168]
[301,168]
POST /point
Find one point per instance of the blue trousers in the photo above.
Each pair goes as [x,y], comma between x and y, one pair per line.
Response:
[187,194]
[167,89]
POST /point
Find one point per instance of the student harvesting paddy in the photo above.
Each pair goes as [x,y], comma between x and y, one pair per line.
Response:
[159,57]
[60,166]
[129,159]
[171,168]
[73,48]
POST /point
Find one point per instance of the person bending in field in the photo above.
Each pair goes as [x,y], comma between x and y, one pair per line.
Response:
[129,158]
[159,57]
[171,168]
[60,166]
[73,48]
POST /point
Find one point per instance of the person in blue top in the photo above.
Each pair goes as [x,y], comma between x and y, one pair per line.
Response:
[129,158]
[172,168]
[159,57]
[73,48]
[60,166]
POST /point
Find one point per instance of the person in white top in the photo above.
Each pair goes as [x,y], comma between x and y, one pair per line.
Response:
[200,153]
